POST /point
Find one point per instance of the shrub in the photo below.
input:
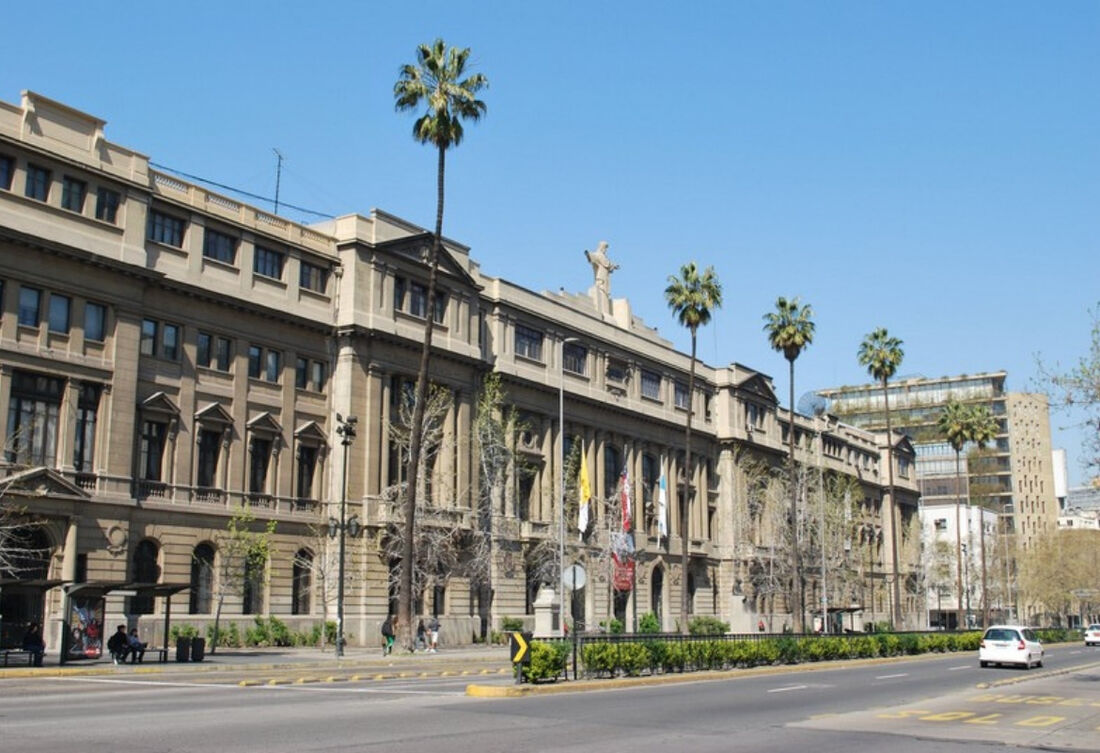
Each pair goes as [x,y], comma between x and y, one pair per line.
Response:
[788,649]
[675,657]
[599,658]
[706,625]
[649,623]
[228,636]
[633,658]
[182,631]
[511,624]
[547,660]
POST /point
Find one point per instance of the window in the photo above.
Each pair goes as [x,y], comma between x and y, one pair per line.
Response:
[32,418]
[252,594]
[59,313]
[213,352]
[312,277]
[260,452]
[439,310]
[87,406]
[612,468]
[300,582]
[903,467]
[268,263]
[399,288]
[310,375]
[73,192]
[202,579]
[95,321]
[148,345]
[106,205]
[264,364]
[941,524]
[29,300]
[301,373]
[307,464]
[255,360]
[616,370]
[151,450]
[318,376]
[418,300]
[528,343]
[754,416]
[145,570]
[273,366]
[651,385]
[219,246]
[164,228]
[170,346]
[7,171]
[681,395]
[206,469]
[38,183]
[575,358]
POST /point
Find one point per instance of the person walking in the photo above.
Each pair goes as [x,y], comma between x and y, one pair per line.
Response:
[388,627]
[433,634]
[421,636]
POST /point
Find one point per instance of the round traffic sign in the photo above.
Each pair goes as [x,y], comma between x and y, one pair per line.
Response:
[574,577]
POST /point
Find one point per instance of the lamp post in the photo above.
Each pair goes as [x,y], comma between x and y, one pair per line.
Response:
[561,483]
[346,430]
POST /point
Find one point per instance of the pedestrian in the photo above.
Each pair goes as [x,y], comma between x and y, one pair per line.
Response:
[387,634]
[433,634]
[119,644]
[34,644]
[760,626]
[137,648]
[421,636]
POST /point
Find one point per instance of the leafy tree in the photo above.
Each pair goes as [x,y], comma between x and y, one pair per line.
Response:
[881,355]
[790,330]
[691,296]
[243,551]
[1058,564]
[954,424]
[438,80]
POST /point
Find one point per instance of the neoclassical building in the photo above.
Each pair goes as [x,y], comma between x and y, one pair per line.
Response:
[170,356]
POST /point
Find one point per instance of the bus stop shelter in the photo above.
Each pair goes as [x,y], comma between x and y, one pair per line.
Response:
[83,636]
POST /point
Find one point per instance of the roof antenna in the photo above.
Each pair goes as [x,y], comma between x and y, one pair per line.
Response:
[278,176]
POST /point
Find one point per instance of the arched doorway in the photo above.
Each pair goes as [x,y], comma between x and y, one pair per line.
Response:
[202,579]
[657,594]
[29,561]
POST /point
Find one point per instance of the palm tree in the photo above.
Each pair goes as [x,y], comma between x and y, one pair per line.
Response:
[438,80]
[790,329]
[882,355]
[691,297]
[983,430]
[954,424]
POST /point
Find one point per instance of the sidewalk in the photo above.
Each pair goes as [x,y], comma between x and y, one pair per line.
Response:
[466,659]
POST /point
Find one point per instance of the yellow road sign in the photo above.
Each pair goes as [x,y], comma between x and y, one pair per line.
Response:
[520,654]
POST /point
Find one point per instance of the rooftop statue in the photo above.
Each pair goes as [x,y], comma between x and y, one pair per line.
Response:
[602,267]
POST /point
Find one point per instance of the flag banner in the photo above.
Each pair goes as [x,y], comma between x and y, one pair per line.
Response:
[662,507]
[622,576]
[585,495]
[628,512]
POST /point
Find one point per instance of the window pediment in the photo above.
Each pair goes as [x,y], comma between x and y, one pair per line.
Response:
[311,433]
[159,402]
[265,423]
[214,414]
[40,482]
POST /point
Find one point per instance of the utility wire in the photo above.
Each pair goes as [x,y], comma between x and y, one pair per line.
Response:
[239,191]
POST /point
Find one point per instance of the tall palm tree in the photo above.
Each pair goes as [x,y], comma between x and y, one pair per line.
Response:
[439,81]
[983,430]
[692,297]
[881,355]
[790,330]
[954,425]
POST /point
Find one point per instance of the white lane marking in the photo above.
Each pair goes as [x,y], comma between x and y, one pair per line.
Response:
[789,687]
[314,688]
[956,669]
[1075,652]
[106,681]
[890,677]
[376,691]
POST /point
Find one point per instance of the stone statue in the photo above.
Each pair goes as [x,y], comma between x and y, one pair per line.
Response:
[602,267]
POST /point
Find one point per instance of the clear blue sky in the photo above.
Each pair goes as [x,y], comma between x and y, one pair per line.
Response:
[933,168]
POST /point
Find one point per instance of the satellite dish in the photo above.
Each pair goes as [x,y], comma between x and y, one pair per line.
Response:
[812,404]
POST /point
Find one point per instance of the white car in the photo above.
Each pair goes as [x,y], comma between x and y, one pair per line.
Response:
[1092,635]
[1010,644]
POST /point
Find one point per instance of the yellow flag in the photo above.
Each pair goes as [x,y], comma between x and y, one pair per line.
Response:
[585,496]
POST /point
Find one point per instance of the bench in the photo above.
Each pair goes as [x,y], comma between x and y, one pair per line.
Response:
[30,655]
[161,654]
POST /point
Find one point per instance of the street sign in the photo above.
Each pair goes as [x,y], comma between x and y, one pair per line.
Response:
[574,577]
[520,653]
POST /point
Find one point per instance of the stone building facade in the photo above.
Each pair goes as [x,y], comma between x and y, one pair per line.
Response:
[170,356]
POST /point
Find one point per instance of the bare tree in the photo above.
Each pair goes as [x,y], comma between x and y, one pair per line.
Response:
[243,554]
[322,560]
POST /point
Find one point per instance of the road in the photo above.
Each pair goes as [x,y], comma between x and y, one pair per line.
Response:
[925,704]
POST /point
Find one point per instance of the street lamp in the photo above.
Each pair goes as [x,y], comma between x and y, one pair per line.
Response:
[561,483]
[343,527]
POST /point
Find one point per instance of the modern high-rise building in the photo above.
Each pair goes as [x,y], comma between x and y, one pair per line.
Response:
[171,356]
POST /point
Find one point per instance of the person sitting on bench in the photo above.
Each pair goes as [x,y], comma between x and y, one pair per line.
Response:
[119,645]
[137,648]
[34,645]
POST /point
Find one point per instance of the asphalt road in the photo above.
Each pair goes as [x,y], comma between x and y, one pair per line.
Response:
[912,705]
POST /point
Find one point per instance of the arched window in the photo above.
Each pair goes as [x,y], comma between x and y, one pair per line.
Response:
[145,570]
[656,594]
[202,579]
[252,595]
[302,582]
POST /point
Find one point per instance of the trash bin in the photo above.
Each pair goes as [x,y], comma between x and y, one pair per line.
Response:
[198,649]
[183,649]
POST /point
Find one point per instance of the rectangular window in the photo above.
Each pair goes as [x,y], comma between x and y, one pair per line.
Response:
[59,313]
[651,385]
[29,302]
[222,353]
[32,418]
[255,361]
[307,462]
[203,351]
[206,469]
[418,300]
[301,373]
[164,228]
[219,246]
[399,287]
[7,171]
[72,194]
[318,376]
[268,263]
[212,352]
[170,346]
[681,395]
[148,345]
[260,451]
[528,342]
[106,205]
[312,277]
[273,366]
[439,310]
[38,183]
[84,445]
[95,321]
[152,449]
[575,358]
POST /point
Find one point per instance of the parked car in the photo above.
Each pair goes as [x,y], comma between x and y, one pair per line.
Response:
[1092,635]
[1010,644]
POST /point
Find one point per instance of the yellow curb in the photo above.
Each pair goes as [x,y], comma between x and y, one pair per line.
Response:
[485,672]
[248,683]
[278,681]
[380,677]
[446,673]
[425,674]
[354,678]
[465,672]
[305,680]
[335,678]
